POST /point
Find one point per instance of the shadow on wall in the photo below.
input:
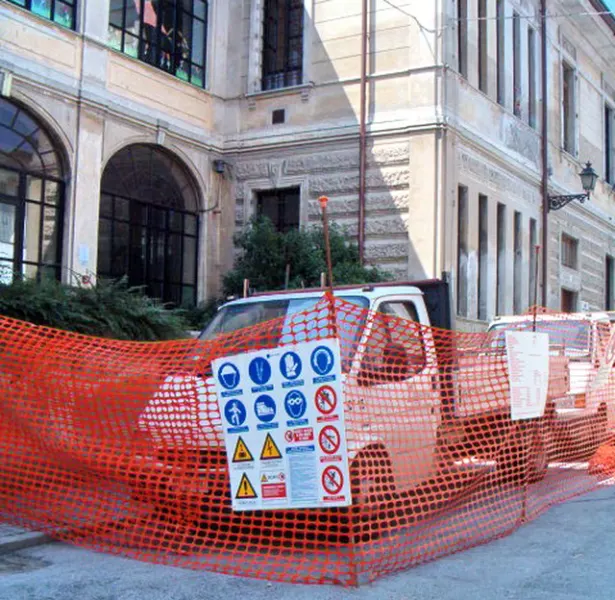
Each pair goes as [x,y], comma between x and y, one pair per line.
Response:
[331,168]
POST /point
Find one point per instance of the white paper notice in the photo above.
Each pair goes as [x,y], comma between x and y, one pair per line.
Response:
[283,419]
[528,373]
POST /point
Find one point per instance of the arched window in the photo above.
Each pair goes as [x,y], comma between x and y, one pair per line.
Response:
[31,197]
[148,228]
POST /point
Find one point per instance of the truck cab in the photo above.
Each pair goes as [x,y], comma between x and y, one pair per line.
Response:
[390,376]
[577,418]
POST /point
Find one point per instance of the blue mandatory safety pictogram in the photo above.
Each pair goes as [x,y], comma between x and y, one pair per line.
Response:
[265,408]
[322,360]
[228,376]
[290,365]
[235,412]
[259,370]
[295,404]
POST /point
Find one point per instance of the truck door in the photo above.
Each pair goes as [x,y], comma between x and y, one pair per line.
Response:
[399,402]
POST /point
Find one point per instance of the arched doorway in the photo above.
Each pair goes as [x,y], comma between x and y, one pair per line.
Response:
[148,227]
[31,197]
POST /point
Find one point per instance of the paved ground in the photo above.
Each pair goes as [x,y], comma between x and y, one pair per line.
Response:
[566,554]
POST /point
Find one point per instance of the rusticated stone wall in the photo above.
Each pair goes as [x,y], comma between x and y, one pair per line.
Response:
[333,170]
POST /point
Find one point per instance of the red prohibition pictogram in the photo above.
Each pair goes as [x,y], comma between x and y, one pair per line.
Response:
[326,399]
[289,437]
[329,439]
[332,480]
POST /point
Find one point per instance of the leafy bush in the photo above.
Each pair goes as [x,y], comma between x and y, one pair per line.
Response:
[108,309]
[265,254]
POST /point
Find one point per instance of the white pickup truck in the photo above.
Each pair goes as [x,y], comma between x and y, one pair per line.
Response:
[404,431]
[576,420]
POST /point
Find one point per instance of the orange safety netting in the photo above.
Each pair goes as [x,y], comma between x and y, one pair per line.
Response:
[117,446]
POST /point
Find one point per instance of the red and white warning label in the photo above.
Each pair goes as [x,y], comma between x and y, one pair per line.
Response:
[329,439]
[326,399]
[332,480]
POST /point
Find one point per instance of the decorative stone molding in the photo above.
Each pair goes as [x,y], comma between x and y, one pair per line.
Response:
[569,48]
[522,140]
[277,169]
[496,178]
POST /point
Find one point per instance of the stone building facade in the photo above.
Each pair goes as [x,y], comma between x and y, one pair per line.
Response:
[173,128]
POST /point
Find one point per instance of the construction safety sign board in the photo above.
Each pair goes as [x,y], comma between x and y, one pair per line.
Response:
[282,413]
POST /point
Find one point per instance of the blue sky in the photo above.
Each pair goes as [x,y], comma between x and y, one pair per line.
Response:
[610,4]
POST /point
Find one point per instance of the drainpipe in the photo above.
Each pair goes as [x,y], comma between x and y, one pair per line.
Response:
[545,153]
[362,133]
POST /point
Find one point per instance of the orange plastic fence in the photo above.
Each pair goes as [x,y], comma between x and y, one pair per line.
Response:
[118,446]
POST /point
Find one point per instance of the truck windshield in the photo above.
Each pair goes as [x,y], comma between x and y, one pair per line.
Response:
[570,335]
[294,328]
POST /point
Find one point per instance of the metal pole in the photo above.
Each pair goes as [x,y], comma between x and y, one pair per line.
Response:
[545,154]
[323,200]
[362,133]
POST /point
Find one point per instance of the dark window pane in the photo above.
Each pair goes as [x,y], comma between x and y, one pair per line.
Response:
[157,217]
[189,274]
[116,12]
[138,254]
[119,256]
[188,293]
[155,289]
[174,254]
[63,14]
[157,254]
[104,247]
[190,223]
[106,206]
[122,209]
[175,221]
[281,207]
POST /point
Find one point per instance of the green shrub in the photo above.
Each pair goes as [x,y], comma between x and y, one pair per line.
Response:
[108,309]
[265,254]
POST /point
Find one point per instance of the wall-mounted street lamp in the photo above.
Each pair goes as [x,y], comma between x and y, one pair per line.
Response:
[588,181]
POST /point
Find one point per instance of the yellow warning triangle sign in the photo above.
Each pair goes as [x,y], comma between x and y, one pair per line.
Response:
[241,454]
[270,450]
[245,490]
